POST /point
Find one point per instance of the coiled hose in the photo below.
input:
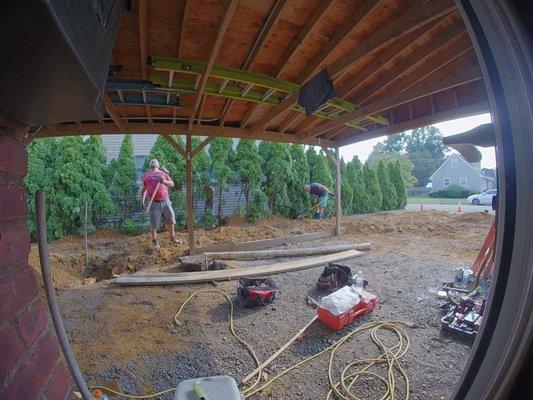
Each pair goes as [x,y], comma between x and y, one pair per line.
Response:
[343,388]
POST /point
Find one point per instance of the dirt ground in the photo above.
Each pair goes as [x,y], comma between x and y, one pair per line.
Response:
[129,333]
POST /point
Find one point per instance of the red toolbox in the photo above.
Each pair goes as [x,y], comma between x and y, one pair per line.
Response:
[336,322]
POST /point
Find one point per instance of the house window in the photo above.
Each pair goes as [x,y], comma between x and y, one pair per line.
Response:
[463,181]
[454,162]
[446,181]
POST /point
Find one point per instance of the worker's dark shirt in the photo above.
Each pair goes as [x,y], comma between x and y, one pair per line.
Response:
[319,190]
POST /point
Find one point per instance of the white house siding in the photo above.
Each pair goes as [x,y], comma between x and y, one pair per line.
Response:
[475,180]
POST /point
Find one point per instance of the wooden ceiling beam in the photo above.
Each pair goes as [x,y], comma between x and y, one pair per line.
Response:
[415,17]
[452,80]
[174,144]
[113,113]
[143,16]
[344,31]
[440,41]
[202,145]
[310,23]
[267,29]
[434,118]
[212,57]
[160,128]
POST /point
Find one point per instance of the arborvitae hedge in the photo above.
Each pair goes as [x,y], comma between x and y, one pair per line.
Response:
[396,177]
[372,187]
[389,197]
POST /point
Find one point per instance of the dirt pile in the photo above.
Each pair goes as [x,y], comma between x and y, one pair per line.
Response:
[112,253]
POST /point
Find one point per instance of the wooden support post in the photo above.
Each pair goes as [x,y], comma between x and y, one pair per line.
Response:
[338,208]
[188,183]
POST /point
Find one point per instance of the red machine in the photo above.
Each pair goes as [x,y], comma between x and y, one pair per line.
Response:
[336,322]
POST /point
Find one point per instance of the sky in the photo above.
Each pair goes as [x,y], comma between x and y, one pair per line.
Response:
[488,159]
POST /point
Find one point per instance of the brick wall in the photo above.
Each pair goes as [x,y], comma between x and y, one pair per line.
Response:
[30,365]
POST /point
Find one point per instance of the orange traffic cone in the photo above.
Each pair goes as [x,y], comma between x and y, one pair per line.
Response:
[459,208]
[421,207]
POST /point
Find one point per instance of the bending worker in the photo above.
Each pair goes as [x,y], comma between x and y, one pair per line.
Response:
[161,206]
[322,193]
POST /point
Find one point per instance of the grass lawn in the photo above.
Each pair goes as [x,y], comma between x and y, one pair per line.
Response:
[434,200]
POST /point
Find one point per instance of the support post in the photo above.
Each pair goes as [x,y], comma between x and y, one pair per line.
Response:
[338,208]
[188,183]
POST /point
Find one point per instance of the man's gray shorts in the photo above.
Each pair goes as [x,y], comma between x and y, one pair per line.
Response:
[161,208]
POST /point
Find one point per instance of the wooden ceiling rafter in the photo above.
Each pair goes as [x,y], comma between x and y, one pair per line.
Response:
[113,113]
[456,79]
[160,128]
[311,22]
[265,32]
[230,10]
[413,18]
[440,41]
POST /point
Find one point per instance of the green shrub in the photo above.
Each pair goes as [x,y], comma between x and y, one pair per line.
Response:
[258,204]
[209,221]
[389,196]
[131,228]
[451,192]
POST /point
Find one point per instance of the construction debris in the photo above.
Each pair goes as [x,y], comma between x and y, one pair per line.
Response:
[201,263]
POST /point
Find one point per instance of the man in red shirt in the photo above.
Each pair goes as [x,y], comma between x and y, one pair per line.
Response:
[161,206]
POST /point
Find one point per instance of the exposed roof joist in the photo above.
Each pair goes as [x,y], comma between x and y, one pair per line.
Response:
[411,20]
[422,90]
[212,57]
[308,26]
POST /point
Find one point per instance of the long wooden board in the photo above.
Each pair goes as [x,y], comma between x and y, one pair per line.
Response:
[228,274]
[298,252]
[266,243]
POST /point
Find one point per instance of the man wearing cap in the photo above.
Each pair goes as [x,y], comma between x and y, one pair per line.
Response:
[161,206]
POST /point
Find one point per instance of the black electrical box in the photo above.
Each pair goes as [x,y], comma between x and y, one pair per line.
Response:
[55,57]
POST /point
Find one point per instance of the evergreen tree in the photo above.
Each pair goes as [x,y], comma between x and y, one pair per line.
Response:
[321,172]
[312,158]
[258,204]
[389,197]
[222,159]
[372,187]
[95,156]
[201,168]
[346,197]
[361,200]
[124,185]
[299,201]
[248,166]
[41,159]
[405,163]
[395,174]
[278,172]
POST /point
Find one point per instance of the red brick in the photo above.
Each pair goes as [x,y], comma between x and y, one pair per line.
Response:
[13,156]
[33,375]
[16,291]
[59,384]
[10,352]
[14,243]
[13,203]
[31,323]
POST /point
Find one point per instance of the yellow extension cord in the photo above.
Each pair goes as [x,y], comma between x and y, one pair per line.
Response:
[349,375]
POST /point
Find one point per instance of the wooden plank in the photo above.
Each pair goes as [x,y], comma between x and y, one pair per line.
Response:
[459,78]
[266,243]
[228,274]
[296,252]
[338,194]
[465,111]
[174,144]
[318,12]
[264,34]
[201,146]
[143,4]
[413,18]
[212,57]
[189,188]
[113,113]
[160,128]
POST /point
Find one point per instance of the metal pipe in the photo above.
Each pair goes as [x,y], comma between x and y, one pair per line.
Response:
[40,217]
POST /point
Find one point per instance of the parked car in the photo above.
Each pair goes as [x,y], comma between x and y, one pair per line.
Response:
[482,198]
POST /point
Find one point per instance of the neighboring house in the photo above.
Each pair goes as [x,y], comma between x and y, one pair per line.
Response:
[142,144]
[455,170]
